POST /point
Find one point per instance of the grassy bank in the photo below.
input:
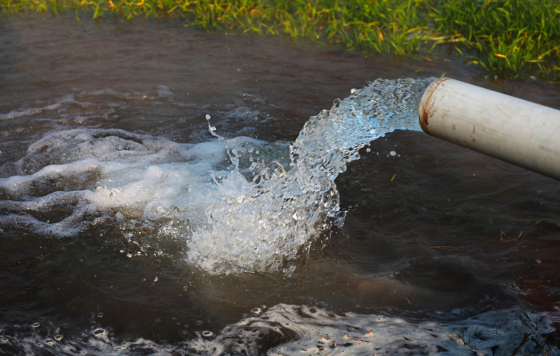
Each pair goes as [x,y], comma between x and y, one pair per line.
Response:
[506,37]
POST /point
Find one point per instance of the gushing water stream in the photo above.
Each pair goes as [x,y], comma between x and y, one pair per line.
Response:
[268,224]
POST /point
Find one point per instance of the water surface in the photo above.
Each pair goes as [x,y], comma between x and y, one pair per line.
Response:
[433,234]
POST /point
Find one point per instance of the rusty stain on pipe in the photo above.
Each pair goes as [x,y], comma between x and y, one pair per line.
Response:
[510,129]
[428,107]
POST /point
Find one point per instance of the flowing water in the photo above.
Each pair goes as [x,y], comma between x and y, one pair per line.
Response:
[151,202]
[260,227]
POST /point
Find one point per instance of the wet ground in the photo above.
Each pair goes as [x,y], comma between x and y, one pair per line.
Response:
[434,233]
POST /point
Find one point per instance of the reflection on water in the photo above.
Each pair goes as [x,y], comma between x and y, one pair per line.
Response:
[92,121]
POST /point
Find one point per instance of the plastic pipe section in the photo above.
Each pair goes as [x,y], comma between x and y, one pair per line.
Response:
[498,125]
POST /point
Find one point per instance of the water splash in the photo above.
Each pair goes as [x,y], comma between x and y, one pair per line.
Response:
[261,215]
[276,218]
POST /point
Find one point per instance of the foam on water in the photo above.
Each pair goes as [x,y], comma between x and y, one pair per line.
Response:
[302,330]
[277,218]
[73,179]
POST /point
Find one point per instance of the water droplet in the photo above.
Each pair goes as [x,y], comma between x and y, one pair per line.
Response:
[208,117]
[392,153]
[368,149]
[155,279]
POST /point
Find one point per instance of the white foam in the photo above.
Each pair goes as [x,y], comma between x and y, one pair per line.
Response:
[95,174]
[67,100]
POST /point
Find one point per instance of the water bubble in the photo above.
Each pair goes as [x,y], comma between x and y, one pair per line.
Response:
[207,333]
[392,153]
[155,279]
[129,255]
[99,332]
[58,337]
[368,149]
[256,310]
[100,315]
[36,325]
[3,341]
[208,117]
[158,320]
[199,322]
[49,342]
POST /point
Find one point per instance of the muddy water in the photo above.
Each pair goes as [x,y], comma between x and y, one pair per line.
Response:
[434,233]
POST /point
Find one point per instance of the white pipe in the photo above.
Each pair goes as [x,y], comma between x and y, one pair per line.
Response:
[501,126]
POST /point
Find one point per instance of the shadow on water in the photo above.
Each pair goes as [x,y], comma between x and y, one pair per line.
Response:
[434,232]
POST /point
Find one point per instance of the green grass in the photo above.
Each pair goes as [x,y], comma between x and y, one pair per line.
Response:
[505,37]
